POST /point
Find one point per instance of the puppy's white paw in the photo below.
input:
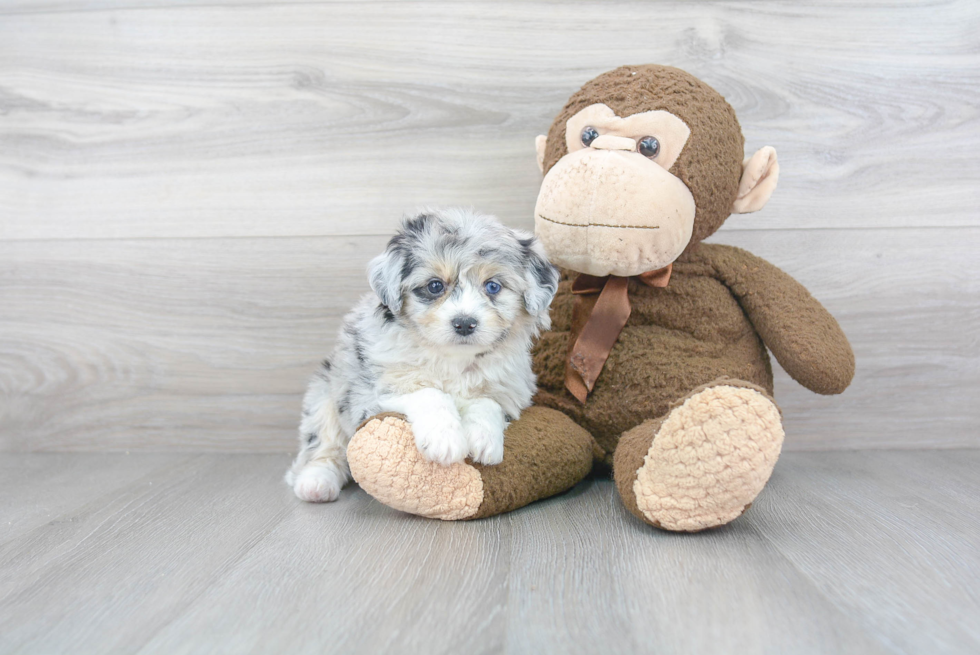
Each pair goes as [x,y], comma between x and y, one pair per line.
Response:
[317,484]
[439,437]
[484,425]
[486,442]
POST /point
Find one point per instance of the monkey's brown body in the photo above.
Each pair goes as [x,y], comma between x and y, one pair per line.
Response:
[641,165]
[677,339]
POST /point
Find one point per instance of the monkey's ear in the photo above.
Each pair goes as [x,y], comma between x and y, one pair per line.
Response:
[539,144]
[760,172]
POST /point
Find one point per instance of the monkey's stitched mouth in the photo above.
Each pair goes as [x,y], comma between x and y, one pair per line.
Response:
[625,227]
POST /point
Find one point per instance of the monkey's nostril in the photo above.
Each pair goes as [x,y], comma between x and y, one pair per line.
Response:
[464,325]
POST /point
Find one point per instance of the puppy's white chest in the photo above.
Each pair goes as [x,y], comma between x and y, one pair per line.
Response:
[458,377]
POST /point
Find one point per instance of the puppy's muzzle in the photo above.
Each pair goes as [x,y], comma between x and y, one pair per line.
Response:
[464,325]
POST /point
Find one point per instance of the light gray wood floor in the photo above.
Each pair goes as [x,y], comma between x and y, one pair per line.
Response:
[857,552]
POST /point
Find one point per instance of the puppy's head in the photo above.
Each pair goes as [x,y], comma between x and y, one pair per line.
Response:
[462,279]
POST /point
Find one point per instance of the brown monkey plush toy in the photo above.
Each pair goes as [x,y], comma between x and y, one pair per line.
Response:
[657,359]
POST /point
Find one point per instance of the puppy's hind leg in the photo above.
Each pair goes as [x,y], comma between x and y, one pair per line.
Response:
[320,469]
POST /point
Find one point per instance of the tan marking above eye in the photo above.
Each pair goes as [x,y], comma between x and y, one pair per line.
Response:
[670,131]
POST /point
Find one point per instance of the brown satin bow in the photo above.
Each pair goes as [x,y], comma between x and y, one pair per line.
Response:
[604,319]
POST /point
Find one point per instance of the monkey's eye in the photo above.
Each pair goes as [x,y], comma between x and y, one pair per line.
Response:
[648,147]
[589,135]
[435,287]
[492,286]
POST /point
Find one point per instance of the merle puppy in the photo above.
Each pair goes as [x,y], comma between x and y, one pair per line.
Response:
[444,339]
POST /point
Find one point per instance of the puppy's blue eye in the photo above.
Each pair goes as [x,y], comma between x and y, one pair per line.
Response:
[493,288]
[435,287]
[589,135]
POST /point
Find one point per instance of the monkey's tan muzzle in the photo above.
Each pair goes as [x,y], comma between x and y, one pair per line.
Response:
[613,212]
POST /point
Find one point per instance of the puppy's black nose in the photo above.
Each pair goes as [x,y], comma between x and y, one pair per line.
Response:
[464,325]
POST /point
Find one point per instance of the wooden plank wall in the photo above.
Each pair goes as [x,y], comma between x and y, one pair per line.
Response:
[189,191]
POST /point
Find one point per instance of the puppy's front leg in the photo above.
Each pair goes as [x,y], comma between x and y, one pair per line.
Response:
[484,423]
[435,422]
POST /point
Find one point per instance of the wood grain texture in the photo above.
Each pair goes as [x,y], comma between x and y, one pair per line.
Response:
[871,552]
[189,191]
[202,344]
[118,571]
[926,542]
[235,119]
[595,579]
[42,487]
[358,577]
[207,344]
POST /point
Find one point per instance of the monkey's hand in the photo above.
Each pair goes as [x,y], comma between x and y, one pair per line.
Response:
[803,336]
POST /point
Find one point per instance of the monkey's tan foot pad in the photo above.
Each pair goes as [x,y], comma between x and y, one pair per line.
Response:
[545,453]
[704,463]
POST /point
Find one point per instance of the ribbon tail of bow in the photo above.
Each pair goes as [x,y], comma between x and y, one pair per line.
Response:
[658,278]
[594,343]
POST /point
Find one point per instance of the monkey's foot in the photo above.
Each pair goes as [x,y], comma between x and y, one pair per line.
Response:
[545,453]
[704,463]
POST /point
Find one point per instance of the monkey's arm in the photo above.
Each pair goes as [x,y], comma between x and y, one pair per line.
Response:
[803,336]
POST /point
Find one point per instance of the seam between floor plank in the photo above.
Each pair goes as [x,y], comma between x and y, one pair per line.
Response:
[220,574]
[842,610]
[100,501]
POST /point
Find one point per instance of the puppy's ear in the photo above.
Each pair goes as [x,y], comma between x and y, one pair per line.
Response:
[541,276]
[385,275]
[387,271]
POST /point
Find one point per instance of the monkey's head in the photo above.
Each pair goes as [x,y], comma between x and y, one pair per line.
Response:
[643,162]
